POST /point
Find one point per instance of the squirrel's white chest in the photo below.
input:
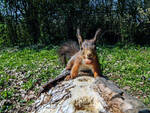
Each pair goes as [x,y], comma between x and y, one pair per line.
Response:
[85,66]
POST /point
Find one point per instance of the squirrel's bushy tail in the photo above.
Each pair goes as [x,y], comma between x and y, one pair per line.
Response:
[67,50]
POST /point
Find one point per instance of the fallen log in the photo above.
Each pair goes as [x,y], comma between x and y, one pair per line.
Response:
[85,94]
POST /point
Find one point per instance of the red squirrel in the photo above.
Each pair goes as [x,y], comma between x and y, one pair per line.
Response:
[84,58]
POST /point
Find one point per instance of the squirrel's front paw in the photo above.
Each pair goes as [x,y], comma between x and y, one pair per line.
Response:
[68,77]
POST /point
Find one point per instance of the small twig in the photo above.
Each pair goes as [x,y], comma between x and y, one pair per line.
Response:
[52,82]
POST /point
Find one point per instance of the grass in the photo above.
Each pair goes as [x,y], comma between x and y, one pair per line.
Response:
[22,71]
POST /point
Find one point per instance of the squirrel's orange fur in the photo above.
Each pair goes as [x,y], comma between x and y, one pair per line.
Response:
[85,59]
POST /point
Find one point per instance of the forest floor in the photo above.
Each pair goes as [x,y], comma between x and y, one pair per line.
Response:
[23,71]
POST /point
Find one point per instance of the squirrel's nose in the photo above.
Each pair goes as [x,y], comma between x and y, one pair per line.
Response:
[89,55]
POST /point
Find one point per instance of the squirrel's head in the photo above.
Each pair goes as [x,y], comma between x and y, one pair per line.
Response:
[88,47]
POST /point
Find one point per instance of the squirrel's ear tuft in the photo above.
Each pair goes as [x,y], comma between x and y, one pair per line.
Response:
[96,34]
[79,37]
